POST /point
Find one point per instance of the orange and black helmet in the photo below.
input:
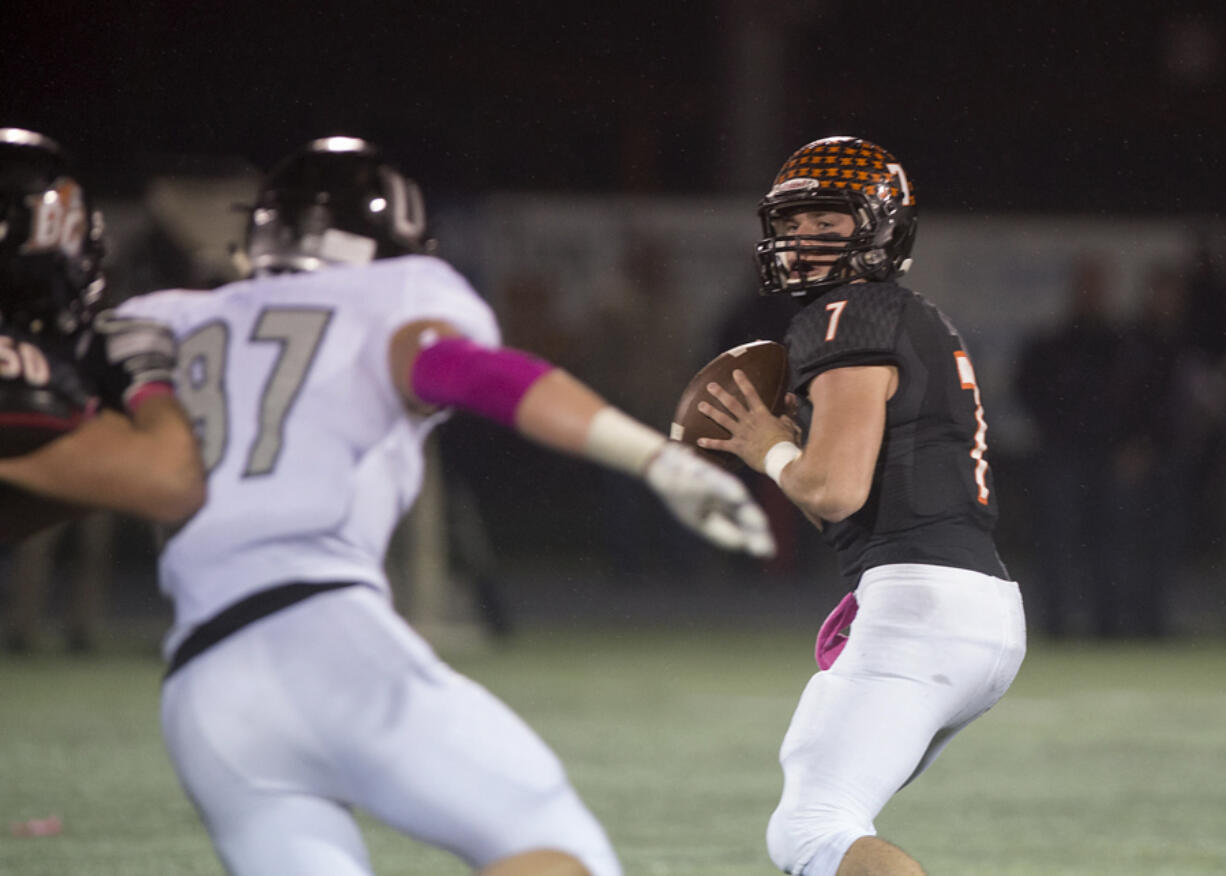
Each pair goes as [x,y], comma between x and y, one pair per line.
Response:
[846,175]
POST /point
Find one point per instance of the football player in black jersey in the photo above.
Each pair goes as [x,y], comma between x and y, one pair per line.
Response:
[893,469]
[60,359]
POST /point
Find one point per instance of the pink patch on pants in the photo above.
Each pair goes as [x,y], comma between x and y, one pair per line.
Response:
[831,638]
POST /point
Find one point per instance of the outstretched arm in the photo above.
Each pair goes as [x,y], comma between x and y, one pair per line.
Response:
[434,366]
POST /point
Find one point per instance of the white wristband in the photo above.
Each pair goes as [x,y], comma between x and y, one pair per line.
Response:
[778,457]
[619,441]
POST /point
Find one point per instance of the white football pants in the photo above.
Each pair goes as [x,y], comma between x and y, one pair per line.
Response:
[334,702]
[931,649]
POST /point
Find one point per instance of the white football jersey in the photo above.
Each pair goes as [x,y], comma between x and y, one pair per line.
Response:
[311,456]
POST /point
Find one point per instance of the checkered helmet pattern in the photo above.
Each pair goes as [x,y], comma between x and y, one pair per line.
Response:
[846,163]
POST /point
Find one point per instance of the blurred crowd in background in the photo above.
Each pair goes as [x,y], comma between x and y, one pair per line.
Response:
[1127,480]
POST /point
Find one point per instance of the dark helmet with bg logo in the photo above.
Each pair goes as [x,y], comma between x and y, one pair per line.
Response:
[51,240]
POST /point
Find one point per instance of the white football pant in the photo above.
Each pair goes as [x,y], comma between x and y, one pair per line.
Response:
[335,702]
[931,649]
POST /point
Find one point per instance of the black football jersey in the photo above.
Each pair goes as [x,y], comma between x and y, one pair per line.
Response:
[932,498]
[42,393]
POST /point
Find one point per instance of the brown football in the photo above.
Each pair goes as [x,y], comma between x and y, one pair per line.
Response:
[765,363]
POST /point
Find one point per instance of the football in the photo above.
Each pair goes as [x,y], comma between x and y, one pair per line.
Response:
[765,363]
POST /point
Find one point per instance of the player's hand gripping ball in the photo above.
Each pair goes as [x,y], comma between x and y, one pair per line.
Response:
[765,363]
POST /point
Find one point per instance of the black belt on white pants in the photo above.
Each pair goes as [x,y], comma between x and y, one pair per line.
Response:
[246,611]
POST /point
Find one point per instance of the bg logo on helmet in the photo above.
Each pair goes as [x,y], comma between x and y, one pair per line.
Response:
[57,219]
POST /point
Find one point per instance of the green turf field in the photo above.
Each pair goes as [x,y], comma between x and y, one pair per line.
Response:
[1101,760]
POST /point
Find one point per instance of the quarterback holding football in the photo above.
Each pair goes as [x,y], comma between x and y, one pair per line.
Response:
[893,468]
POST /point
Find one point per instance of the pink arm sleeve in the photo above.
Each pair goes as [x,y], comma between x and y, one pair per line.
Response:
[488,381]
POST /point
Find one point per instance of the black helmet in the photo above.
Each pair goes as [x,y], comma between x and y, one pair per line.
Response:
[847,175]
[51,244]
[335,201]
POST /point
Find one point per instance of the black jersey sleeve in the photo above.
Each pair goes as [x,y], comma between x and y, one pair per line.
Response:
[856,324]
[932,499]
[42,394]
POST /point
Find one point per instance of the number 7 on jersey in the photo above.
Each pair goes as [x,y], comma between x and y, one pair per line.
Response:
[966,374]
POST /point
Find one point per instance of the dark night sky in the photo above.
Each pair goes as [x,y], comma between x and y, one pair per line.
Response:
[1067,106]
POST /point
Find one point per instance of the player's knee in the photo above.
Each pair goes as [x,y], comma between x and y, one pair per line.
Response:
[812,840]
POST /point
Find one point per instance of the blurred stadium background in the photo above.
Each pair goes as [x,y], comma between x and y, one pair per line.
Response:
[595,172]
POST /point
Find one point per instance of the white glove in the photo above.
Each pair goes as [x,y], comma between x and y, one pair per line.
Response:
[123,355]
[709,500]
